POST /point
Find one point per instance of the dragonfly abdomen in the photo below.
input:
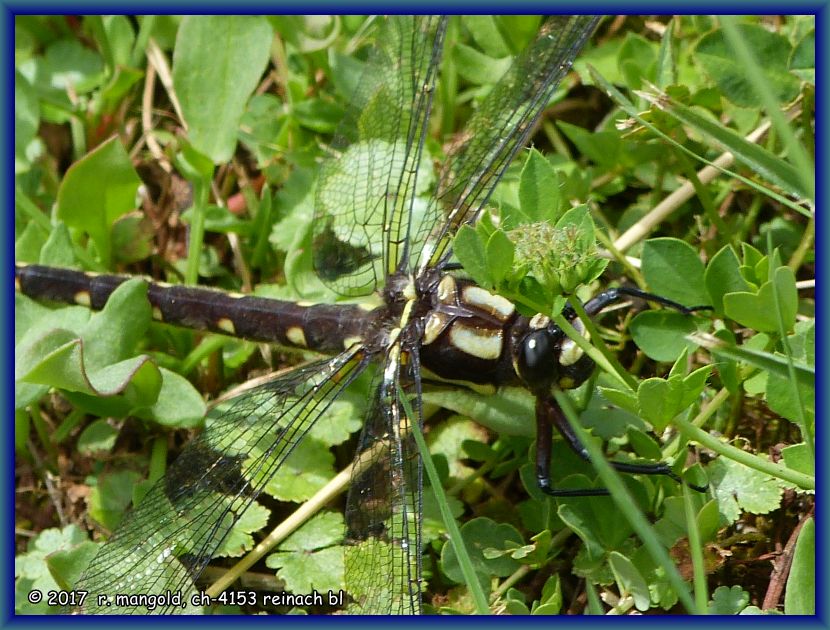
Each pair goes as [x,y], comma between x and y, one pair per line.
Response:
[321,327]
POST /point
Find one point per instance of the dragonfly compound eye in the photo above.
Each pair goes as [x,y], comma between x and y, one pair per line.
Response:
[538,352]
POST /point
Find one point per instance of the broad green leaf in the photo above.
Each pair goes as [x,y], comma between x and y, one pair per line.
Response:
[772,53]
[740,488]
[662,334]
[69,65]
[660,400]
[217,63]
[800,596]
[96,190]
[307,469]
[471,253]
[728,601]
[603,147]
[97,438]
[486,33]
[499,256]
[759,310]
[179,404]
[708,521]
[539,189]
[722,276]
[803,59]
[239,539]
[797,457]
[67,565]
[28,245]
[110,498]
[629,580]
[478,68]
[636,59]
[58,250]
[113,333]
[673,269]
[481,534]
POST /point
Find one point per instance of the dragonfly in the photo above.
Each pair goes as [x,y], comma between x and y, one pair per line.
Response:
[380,227]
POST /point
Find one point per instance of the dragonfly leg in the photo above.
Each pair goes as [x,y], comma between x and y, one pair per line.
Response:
[544,437]
[612,296]
[549,413]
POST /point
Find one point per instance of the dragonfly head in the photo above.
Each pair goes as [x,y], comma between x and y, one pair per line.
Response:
[546,358]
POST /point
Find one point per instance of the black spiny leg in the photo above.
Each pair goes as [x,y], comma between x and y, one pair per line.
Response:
[549,413]
[597,303]
[544,435]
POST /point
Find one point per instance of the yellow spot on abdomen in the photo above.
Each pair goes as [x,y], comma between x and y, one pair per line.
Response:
[296,336]
[82,298]
[226,325]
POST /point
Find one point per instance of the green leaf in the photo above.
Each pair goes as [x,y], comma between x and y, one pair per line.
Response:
[603,147]
[759,310]
[800,596]
[472,254]
[97,438]
[798,457]
[178,405]
[478,68]
[636,59]
[772,52]
[486,33]
[629,580]
[738,487]
[239,539]
[728,601]
[803,60]
[539,189]
[304,572]
[660,400]
[481,534]
[307,469]
[109,499]
[723,275]
[70,65]
[217,63]
[500,250]
[672,269]
[97,189]
[67,565]
[58,249]
[662,334]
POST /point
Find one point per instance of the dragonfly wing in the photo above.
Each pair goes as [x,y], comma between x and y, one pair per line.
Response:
[166,542]
[498,130]
[367,195]
[383,511]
